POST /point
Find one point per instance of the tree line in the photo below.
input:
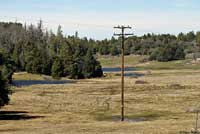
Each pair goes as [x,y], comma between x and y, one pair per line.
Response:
[35,50]
[163,47]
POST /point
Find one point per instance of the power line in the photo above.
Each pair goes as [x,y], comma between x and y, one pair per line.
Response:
[122,35]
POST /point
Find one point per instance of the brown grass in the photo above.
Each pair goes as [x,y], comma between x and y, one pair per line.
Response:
[81,107]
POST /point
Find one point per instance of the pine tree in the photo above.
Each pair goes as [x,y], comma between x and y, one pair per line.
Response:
[7,66]
[57,69]
[92,67]
[98,70]
[4,91]
[89,65]
[66,54]
[76,71]
[179,54]
[76,68]
[114,51]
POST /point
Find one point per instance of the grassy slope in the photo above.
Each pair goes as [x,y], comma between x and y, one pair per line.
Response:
[80,108]
[114,61]
[135,61]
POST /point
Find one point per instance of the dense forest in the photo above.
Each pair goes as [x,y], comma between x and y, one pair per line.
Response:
[32,49]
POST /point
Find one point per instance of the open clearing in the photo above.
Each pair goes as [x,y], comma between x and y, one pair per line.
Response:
[142,63]
[82,107]
[92,106]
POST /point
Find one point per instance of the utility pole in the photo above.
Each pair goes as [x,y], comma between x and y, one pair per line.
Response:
[122,35]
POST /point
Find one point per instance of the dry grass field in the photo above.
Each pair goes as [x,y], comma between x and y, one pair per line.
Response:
[92,106]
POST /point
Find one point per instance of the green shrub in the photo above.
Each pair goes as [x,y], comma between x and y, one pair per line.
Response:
[168,53]
[57,69]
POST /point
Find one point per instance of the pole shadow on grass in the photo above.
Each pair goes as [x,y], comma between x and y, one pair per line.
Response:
[116,118]
[16,115]
[132,118]
[20,83]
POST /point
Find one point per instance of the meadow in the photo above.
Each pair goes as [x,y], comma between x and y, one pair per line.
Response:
[92,106]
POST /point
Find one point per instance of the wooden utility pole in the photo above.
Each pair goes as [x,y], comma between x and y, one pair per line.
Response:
[122,35]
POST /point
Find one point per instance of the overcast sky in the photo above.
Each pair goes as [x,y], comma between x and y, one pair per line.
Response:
[96,18]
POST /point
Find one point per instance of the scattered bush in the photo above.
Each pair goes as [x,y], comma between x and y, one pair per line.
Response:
[168,53]
[141,82]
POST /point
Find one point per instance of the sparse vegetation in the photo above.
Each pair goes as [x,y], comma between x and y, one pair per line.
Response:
[141,63]
[156,107]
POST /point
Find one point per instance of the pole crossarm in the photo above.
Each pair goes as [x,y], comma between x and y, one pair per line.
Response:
[123,27]
[123,34]
[128,34]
